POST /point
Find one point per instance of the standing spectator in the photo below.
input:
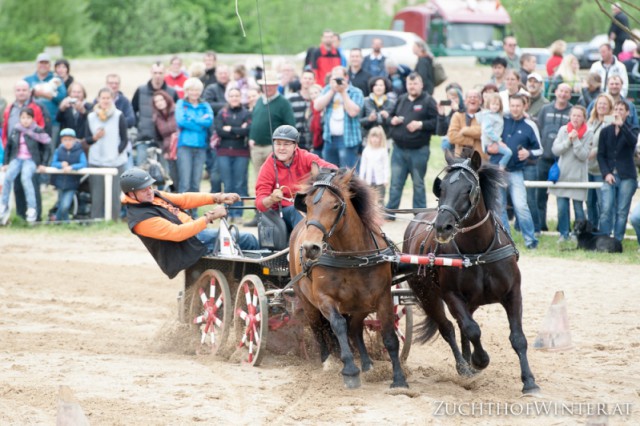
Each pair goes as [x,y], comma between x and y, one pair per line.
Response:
[498,69]
[241,82]
[196,70]
[455,99]
[210,61]
[550,119]
[325,58]
[164,118]
[521,137]
[342,103]
[464,130]
[633,72]
[74,110]
[121,101]
[142,104]
[424,66]
[567,73]
[378,106]
[614,88]
[336,44]
[214,94]
[357,75]
[374,167]
[69,156]
[413,123]
[288,77]
[253,95]
[48,100]
[590,90]
[397,74]
[617,32]
[11,116]
[24,154]
[374,63]
[512,86]
[232,125]
[194,117]
[300,104]
[63,68]
[610,66]
[602,111]
[492,125]
[107,138]
[513,60]
[528,64]
[535,85]
[175,76]
[616,148]
[572,146]
[557,49]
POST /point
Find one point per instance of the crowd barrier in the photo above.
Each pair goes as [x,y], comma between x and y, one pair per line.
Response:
[564,185]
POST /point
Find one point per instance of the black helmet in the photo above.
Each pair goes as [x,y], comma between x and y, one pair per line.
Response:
[286,132]
[135,179]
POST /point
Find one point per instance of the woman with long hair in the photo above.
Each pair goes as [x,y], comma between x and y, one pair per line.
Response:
[567,72]
[165,120]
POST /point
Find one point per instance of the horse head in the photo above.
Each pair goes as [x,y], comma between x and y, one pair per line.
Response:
[458,195]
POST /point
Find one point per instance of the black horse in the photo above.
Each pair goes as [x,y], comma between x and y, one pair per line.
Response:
[467,226]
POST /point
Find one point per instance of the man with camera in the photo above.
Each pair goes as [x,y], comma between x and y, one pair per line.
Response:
[341,133]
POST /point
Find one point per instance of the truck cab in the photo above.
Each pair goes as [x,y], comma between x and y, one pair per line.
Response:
[457,27]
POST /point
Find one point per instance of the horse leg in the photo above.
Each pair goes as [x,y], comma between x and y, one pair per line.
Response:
[317,324]
[458,308]
[434,309]
[513,306]
[356,332]
[391,343]
[350,372]
[466,347]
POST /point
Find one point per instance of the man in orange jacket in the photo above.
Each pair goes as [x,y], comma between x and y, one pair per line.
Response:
[174,239]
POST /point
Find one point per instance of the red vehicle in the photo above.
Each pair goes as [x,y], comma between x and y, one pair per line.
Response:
[457,27]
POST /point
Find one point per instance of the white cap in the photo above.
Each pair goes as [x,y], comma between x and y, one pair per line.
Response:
[43,57]
[535,76]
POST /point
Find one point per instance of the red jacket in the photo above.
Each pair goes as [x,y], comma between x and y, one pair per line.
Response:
[323,62]
[37,117]
[290,178]
[176,83]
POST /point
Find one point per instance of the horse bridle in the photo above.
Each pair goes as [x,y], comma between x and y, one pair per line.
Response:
[326,183]
[474,195]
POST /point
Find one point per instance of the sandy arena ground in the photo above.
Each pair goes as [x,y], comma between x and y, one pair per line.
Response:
[98,316]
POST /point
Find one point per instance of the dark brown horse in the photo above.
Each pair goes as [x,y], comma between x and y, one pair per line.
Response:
[467,225]
[340,251]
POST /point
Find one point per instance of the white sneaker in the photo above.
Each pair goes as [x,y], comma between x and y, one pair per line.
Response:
[31,215]
[4,215]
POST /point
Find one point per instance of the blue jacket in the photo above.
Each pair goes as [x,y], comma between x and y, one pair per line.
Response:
[76,158]
[521,133]
[50,104]
[193,123]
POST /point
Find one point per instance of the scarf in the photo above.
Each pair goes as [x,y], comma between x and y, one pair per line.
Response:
[104,115]
[379,101]
[581,131]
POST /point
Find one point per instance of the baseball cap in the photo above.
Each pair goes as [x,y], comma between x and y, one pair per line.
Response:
[43,57]
[535,76]
[67,132]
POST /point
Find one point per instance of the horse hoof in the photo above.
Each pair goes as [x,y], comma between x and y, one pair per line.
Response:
[351,382]
[366,367]
[400,384]
[480,362]
[531,390]
[466,371]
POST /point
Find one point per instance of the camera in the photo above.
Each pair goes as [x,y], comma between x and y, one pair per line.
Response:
[445,102]
[339,81]
[73,100]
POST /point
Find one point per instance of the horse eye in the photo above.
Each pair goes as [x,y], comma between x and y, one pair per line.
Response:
[336,206]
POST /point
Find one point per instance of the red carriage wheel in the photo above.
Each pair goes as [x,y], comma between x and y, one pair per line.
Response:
[251,320]
[210,310]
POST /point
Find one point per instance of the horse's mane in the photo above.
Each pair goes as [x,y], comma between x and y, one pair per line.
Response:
[491,180]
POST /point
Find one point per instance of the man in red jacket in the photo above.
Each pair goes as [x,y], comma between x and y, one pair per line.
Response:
[282,174]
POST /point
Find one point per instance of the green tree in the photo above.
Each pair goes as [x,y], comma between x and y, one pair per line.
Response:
[30,25]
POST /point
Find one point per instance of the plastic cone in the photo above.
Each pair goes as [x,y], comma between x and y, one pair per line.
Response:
[555,333]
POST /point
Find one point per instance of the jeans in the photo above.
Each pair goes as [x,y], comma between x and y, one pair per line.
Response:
[530,173]
[616,202]
[26,169]
[211,164]
[140,151]
[634,219]
[21,202]
[445,144]
[506,155]
[541,196]
[233,171]
[403,163]
[594,202]
[518,193]
[208,237]
[65,199]
[564,219]
[291,217]
[190,164]
[336,153]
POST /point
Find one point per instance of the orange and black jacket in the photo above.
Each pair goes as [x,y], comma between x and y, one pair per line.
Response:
[167,231]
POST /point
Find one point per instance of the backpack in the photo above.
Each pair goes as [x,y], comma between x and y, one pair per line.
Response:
[439,74]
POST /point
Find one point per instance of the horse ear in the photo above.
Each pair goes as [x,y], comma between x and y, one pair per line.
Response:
[448,156]
[476,160]
[315,169]
[436,187]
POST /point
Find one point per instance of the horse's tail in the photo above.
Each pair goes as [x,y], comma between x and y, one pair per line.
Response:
[426,330]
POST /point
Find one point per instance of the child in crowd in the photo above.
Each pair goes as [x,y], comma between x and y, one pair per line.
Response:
[69,156]
[25,151]
[492,126]
[374,165]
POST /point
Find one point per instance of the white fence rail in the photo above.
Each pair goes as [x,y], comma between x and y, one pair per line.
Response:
[564,185]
